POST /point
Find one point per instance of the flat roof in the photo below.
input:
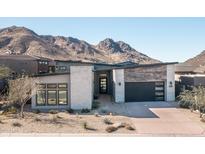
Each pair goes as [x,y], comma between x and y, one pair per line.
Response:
[51,74]
[146,65]
[91,63]
[22,57]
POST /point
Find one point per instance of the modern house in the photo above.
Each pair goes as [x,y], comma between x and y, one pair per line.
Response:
[26,64]
[78,83]
[187,76]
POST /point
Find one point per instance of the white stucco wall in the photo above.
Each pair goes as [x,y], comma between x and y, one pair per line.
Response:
[81,86]
[119,85]
[170,90]
[52,79]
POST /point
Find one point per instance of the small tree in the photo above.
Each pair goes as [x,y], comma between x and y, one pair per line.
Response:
[20,91]
[5,72]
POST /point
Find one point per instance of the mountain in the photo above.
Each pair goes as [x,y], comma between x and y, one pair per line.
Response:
[197,61]
[21,40]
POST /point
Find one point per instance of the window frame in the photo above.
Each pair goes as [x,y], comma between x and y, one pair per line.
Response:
[37,98]
[45,87]
[56,97]
[59,97]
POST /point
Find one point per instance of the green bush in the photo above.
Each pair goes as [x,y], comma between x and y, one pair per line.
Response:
[53,111]
[95,104]
[70,110]
[85,111]
[184,104]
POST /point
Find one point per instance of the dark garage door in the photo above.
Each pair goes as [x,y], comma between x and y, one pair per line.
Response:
[144,91]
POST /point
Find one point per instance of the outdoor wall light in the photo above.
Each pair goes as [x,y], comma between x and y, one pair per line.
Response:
[119,83]
[170,84]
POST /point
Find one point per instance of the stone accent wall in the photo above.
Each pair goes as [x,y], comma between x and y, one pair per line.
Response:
[145,74]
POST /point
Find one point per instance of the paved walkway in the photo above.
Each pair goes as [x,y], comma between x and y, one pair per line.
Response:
[158,118]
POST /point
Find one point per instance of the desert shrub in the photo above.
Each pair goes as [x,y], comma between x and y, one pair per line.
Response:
[70,110]
[193,99]
[53,111]
[111,129]
[85,126]
[16,124]
[10,110]
[37,119]
[104,111]
[96,114]
[107,121]
[184,104]
[85,111]
[95,104]
[4,72]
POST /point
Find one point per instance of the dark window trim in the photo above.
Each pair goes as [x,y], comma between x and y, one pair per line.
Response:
[66,97]
[37,104]
[57,89]
[55,98]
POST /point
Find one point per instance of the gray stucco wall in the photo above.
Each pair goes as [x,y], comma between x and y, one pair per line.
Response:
[81,87]
[170,83]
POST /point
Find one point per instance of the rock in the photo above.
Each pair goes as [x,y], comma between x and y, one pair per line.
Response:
[111,129]
[119,125]
[203,118]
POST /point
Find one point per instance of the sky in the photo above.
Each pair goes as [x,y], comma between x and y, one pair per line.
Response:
[165,39]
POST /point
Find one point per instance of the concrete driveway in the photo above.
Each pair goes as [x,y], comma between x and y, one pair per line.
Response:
[159,118]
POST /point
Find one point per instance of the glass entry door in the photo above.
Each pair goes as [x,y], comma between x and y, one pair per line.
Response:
[103,85]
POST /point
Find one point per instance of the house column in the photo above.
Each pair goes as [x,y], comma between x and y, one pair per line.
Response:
[119,85]
[170,83]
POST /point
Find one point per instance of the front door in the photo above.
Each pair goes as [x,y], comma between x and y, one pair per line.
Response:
[103,85]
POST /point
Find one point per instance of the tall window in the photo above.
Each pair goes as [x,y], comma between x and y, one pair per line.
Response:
[52,94]
[41,97]
[62,94]
[52,97]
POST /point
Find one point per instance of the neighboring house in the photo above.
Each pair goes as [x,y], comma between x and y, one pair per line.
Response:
[25,64]
[81,82]
[187,76]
